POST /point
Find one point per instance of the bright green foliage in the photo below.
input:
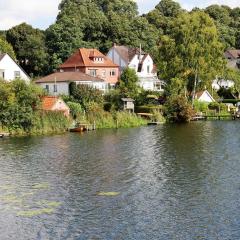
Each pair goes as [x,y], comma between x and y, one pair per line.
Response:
[178,109]
[200,106]
[29,46]
[84,94]
[128,84]
[103,119]
[190,50]
[17,103]
[75,109]
[6,47]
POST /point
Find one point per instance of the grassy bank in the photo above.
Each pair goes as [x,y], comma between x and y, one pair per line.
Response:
[42,123]
[119,119]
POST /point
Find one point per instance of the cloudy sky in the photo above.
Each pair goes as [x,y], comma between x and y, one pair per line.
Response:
[42,13]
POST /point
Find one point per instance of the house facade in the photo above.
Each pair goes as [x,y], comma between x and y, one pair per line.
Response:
[10,70]
[141,62]
[59,83]
[93,63]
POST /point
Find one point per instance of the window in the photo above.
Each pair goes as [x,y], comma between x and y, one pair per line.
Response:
[47,88]
[112,73]
[55,88]
[148,69]
[17,74]
[2,74]
[93,72]
[104,73]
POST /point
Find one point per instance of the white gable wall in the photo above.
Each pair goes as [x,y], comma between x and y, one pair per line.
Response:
[206,97]
[116,58]
[9,67]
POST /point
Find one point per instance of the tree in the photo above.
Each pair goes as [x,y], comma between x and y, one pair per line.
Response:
[191,52]
[85,94]
[129,83]
[219,13]
[98,24]
[18,101]
[169,8]
[29,46]
[5,47]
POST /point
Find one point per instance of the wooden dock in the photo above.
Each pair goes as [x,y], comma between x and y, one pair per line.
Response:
[214,117]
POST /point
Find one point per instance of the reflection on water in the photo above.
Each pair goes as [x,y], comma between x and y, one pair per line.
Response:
[165,182]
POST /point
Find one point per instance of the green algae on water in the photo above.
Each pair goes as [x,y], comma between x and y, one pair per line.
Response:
[41,186]
[49,203]
[10,199]
[37,212]
[108,194]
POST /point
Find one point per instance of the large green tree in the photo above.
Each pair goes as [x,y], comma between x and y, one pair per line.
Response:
[191,53]
[99,24]
[6,47]
[29,46]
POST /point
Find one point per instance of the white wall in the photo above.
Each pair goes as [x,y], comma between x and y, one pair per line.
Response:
[9,67]
[63,87]
[205,98]
[115,57]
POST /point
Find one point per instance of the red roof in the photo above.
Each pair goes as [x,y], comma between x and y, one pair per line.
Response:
[48,102]
[68,77]
[83,57]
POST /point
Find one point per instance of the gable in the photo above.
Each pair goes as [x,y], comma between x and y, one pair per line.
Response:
[205,97]
[10,67]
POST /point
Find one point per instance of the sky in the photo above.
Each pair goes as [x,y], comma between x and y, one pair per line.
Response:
[42,13]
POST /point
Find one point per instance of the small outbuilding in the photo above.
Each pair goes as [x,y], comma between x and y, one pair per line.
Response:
[204,96]
[53,103]
[128,104]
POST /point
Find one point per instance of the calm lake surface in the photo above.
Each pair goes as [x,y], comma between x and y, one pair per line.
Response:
[171,182]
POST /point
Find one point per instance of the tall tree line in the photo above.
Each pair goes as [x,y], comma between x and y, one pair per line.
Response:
[100,23]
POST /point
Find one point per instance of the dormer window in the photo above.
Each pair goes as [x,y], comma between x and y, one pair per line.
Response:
[98,59]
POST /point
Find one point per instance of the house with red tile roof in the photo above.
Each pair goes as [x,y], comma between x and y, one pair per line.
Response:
[51,103]
[93,63]
[58,83]
[141,62]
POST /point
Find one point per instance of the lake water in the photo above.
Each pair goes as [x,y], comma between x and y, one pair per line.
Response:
[165,182]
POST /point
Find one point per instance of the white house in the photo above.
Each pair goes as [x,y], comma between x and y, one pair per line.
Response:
[222,83]
[10,70]
[58,83]
[204,96]
[141,62]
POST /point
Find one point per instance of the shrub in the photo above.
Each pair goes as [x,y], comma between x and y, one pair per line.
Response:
[75,110]
[200,106]
[148,109]
[178,109]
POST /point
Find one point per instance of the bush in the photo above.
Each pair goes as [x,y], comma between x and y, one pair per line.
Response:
[200,106]
[75,110]
[178,109]
[148,109]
